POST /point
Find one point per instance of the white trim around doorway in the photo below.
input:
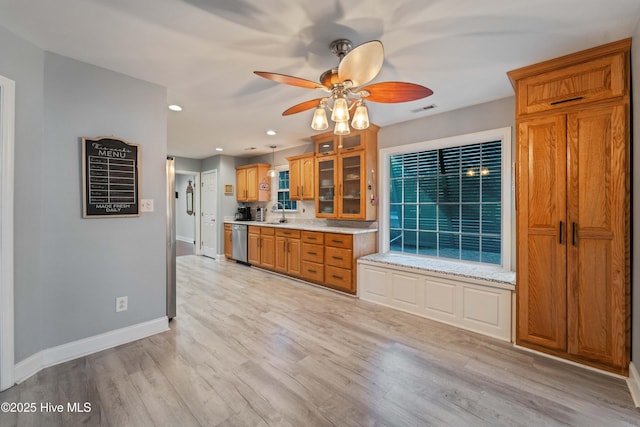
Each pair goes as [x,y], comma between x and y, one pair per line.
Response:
[196,207]
[7,135]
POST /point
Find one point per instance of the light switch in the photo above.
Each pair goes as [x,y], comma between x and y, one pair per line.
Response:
[146,205]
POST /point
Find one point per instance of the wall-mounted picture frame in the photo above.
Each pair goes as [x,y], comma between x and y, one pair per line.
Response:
[228,189]
[110,178]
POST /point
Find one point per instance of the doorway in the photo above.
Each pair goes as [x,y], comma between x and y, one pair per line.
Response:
[187,212]
[209,197]
[7,143]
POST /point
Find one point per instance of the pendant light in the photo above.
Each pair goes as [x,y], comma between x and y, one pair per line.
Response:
[271,173]
[360,117]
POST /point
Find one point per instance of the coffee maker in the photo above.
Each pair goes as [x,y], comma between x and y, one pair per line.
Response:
[243,213]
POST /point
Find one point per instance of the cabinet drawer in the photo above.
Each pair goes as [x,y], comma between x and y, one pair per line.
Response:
[313,253]
[312,271]
[338,257]
[314,237]
[336,276]
[254,229]
[227,227]
[268,231]
[589,81]
[294,234]
[338,240]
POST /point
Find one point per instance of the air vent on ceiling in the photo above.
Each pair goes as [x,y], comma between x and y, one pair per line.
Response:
[425,108]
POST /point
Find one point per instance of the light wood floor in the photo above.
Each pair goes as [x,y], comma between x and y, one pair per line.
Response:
[248,348]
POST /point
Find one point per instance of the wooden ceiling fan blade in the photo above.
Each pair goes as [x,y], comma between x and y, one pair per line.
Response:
[392,92]
[303,106]
[289,80]
[362,64]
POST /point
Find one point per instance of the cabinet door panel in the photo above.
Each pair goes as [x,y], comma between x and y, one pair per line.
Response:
[268,251]
[307,178]
[241,185]
[281,254]
[350,189]
[252,184]
[295,192]
[541,200]
[294,257]
[253,248]
[598,195]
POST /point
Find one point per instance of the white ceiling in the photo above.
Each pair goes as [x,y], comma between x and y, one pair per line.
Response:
[204,52]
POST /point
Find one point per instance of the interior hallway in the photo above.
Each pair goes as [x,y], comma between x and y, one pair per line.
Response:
[249,348]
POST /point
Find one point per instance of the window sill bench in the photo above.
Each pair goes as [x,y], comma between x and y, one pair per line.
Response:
[470,296]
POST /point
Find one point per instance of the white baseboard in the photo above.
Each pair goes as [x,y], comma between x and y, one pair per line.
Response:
[186,239]
[65,352]
[633,382]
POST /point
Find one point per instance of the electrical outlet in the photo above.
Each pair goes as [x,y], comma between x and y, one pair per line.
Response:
[122,304]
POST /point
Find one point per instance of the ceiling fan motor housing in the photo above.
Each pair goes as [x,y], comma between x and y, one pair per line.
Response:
[340,47]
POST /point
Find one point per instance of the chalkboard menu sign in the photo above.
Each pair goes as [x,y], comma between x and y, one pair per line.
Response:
[110,177]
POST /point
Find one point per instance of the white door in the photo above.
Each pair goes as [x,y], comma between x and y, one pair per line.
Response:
[209,208]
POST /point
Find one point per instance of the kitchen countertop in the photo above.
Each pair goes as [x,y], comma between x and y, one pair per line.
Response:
[306,227]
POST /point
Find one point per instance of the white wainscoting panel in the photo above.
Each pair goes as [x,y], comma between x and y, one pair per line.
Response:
[468,304]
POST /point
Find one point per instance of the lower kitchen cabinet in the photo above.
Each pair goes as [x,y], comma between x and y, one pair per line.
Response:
[227,242]
[288,251]
[313,256]
[261,247]
[326,259]
[253,245]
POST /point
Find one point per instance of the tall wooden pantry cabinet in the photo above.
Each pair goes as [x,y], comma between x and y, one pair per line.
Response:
[573,206]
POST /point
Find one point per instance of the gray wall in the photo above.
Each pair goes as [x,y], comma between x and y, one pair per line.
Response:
[635,221]
[185,224]
[103,258]
[185,164]
[23,63]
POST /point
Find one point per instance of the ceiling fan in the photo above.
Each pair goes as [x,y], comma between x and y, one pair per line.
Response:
[344,85]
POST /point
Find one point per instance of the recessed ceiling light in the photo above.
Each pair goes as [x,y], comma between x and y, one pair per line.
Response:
[174,107]
[270,132]
[218,149]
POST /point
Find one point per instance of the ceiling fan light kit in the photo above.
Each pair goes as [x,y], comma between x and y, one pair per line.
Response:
[358,66]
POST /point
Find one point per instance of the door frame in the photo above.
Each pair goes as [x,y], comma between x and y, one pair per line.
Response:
[217,209]
[196,205]
[7,135]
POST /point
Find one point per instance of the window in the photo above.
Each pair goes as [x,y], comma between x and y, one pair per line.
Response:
[446,198]
[283,192]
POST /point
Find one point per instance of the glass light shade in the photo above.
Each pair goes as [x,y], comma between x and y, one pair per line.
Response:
[319,121]
[342,128]
[271,173]
[360,118]
[340,110]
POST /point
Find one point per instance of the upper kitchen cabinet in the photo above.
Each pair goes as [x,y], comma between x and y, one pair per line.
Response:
[302,177]
[327,143]
[346,176]
[572,80]
[252,184]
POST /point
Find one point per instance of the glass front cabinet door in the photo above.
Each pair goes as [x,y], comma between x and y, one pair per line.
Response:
[327,174]
[350,187]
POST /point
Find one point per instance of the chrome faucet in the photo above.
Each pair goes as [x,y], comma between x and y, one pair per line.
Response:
[275,206]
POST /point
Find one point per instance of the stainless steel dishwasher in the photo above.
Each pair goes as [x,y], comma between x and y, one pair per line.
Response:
[239,242]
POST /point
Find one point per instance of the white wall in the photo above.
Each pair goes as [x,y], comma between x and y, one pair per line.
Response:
[185,224]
